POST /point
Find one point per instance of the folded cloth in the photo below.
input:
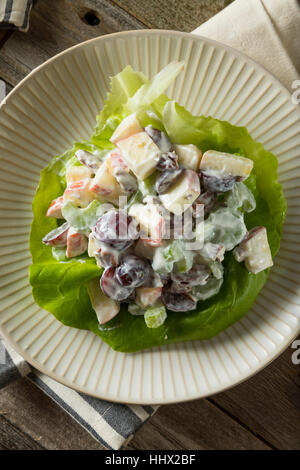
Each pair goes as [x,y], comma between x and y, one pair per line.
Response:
[14,14]
[111,424]
[268,31]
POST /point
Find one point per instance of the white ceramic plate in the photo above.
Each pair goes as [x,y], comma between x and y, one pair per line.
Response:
[57,104]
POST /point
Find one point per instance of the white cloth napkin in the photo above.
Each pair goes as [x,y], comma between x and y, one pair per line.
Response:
[268,31]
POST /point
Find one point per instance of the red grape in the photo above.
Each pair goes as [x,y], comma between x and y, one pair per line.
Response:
[58,236]
[117,229]
[165,179]
[208,199]
[133,271]
[88,159]
[112,288]
[159,138]
[178,302]
[197,276]
[168,162]
[216,184]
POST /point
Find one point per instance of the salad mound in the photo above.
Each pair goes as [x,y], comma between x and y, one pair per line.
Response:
[160,228]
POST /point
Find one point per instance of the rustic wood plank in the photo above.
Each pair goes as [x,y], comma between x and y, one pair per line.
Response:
[182,15]
[54,27]
[28,416]
[4,35]
[11,438]
[268,403]
[194,425]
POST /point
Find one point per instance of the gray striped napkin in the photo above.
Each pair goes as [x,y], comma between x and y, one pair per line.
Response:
[14,14]
[111,424]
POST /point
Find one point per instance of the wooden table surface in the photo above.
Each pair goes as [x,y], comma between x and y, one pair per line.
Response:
[263,412]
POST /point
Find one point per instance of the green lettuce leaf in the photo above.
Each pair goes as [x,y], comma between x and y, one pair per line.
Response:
[60,286]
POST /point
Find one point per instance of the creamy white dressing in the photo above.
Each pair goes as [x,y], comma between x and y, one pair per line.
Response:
[167,251]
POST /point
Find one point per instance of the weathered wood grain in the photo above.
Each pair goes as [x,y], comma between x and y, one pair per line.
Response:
[195,425]
[12,438]
[182,15]
[55,26]
[26,411]
[268,403]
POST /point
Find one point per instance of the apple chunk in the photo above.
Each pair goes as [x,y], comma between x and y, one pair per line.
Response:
[77,173]
[214,162]
[55,207]
[77,243]
[79,193]
[129,126]
[140,153]
[189,156]
[104,185]
[105,308]
[182,193]
[147,296]
[152,224]
[255,250]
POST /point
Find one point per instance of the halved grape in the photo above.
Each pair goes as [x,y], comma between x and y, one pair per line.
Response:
[159,138]
[117,229]
[58,236]
[165,179]
[88,159]
[112,288]
[121,172]
[217,184]
[197,276]
[133,271]
[178,302]
[168,162]
[208,199]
